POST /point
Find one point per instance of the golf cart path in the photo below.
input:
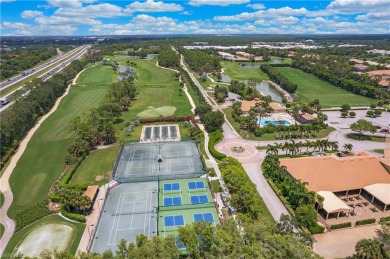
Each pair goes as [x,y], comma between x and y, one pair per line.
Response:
[5,188]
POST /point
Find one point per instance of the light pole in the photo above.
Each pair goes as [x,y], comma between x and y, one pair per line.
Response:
[99,204]
[89,232]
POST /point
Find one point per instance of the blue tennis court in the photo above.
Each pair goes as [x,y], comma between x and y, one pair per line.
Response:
[173,201]
[171,221]
[196,199]
[171,186]
[204,216]
[195,185]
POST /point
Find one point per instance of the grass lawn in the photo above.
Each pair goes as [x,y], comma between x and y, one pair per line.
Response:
[379,151]
[19,236]
[310,87]
[98,163]
[1,199]
[43,160]
[1,230]
[156,88]
[364,137]
[236,72]
[269,136]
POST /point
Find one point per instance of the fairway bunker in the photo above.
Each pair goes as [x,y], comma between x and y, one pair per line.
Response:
[46,236]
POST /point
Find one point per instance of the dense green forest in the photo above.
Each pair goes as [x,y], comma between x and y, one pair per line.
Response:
[279,78]
[202,61]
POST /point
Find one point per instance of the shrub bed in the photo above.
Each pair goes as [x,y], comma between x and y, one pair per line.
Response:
[342,225]
[72,216]
[167,119]
[214,138]
[31,214]
[317,229]
[365,222]
[357,136]
[216,186]
[68,176]
[384,219]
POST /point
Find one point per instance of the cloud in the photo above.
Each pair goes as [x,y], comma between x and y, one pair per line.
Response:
[263,14]
[151,6]
[69,3]
[58,20]
[186,13]
[14,25]
[216,2]
[92,11]
[256,6]
[29,14]
[7,1]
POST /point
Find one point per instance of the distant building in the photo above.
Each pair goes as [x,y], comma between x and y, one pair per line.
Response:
[359,67]
[382,75]
[305,118]
[247,105]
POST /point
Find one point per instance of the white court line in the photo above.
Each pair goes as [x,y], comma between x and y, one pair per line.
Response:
[119,219]
[127,163]
[146,207]
[115,219]
[132,217]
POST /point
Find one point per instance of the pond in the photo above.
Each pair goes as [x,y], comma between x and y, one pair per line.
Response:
[268,89]
[225,79]
[251,66]
[276,61]
[150,56]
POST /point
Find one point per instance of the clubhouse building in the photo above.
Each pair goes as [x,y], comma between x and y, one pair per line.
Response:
[357,186]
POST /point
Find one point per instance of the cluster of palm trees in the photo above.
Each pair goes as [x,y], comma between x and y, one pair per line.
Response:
[297,148]
[293,190]
[74,201]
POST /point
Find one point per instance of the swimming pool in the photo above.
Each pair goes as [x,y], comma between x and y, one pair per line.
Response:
[267,121]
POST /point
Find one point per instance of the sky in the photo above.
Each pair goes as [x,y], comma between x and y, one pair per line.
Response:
[103,17]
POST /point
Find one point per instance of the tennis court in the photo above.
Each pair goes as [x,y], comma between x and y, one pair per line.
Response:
[183,201]
[139,163]
[130,210]
[158,133]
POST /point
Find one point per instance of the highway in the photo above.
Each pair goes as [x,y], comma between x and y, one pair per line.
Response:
[54,70]
[9,82]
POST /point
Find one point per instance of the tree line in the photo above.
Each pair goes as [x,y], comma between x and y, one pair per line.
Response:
[201,61]
[19,118]
[279,78]
[294,191]
[169,58]
[97,126]
[20,59]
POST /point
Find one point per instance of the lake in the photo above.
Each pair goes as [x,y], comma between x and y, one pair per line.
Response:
[268,89]
[251,66]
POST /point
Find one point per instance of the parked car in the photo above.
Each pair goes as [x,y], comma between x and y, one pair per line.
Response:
[384,130]
[378,127]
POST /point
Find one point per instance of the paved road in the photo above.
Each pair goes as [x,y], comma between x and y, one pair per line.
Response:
[67,60]
[9,82]
[5,188]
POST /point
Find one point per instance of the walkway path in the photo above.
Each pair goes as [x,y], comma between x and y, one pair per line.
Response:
[5,188]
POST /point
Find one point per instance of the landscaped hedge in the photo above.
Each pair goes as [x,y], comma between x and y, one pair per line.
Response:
[31,214]
[365,222]
[342,225]
[214,138]
[384,219]
[68,176]
[216,186]
[280,65]
[72,216]
[166,119]
[317,229]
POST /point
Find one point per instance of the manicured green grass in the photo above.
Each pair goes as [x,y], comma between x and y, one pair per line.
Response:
[156,87]
[1,230]
[236,72]
[98,163]
[311,87]
[1,199]
[43,160]
[19,236]
[364,137]
[97,76]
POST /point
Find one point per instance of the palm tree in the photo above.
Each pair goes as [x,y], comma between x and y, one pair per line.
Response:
[348,147]
[308,145]
[271,149]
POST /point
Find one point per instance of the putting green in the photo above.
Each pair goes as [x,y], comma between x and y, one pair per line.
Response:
[46,236]
[155,112]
